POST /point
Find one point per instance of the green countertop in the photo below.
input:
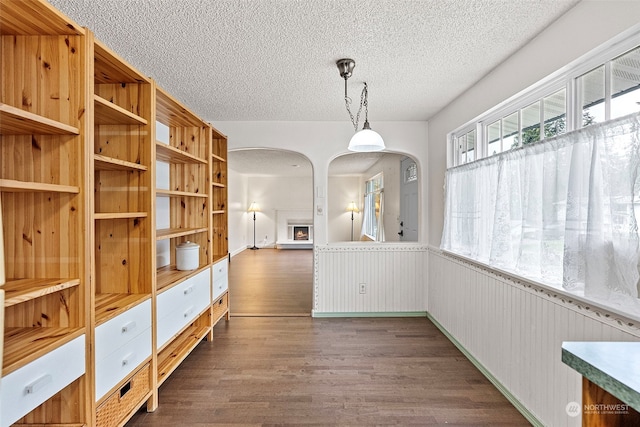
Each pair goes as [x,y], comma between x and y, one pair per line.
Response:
[613,366]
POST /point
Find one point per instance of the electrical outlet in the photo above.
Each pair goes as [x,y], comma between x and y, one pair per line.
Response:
[363,288]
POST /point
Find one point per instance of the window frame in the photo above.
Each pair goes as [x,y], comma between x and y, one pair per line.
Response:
[369,215]
[564,78]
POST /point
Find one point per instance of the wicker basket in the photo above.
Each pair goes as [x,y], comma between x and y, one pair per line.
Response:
[220,307]
[123,401]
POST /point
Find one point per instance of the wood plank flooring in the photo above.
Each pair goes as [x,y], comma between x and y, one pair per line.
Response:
[271,282]
[302,371]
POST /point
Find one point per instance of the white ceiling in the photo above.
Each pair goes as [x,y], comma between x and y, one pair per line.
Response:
[232,60]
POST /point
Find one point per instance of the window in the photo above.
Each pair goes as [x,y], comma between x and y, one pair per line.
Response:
[373,208]
[555,114]
[467,147]
[625,84]
[593,94]
[563,212]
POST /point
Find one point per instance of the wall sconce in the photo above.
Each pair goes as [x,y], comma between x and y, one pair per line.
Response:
[254,208]
[352,208]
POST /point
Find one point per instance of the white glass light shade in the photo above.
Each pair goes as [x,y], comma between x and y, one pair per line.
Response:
[352,207]
[366,140]
[254,207]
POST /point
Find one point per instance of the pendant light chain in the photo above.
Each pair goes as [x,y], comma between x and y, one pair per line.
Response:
[363,102]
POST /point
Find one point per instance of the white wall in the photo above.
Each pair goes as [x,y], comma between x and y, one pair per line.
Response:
[515,330]
[239,234]
[275,193]
[343,190]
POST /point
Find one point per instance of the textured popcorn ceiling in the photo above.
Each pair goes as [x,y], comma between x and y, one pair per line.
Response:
[275,59]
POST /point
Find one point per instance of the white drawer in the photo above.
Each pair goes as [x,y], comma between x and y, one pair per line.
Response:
[220,270]
[31,385]
[220,278]
[121,329]
[219,288]
[193,291]
[170,324]
[121,362]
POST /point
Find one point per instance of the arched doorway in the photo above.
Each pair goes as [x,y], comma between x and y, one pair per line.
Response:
[275,279]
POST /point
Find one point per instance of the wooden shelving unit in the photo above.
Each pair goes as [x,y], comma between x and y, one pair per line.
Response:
[94,311]
[44,198]
[183,198]
[219,195]
[122,262]
[122,157]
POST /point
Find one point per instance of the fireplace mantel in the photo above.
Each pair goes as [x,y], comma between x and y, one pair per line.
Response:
[295,229]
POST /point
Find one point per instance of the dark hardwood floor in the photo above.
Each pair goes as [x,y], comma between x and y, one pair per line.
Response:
[270,282]
[295,371]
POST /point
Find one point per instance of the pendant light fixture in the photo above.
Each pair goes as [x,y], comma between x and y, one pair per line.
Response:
[365,139]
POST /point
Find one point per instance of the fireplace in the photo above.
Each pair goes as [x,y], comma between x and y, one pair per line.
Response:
[301,232]
[295,229]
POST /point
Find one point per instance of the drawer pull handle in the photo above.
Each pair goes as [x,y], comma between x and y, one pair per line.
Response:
[188,290]
[128,358]
[128,327]
[188,312]
[38,384]
[125,389]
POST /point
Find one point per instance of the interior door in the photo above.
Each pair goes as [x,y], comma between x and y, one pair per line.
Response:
[409,201]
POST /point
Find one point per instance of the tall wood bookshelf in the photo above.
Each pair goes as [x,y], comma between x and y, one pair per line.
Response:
[43,184]
[96,315]
[183,214]
[123,221]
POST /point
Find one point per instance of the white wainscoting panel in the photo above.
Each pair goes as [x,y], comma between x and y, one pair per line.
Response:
[515,329]
[394,276]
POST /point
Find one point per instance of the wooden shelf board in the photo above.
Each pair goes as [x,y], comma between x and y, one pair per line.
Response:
[24,345]
[219,257]
[173,193]
[109,306]
[119,215]
[218,184]
[15,121]
[11,185]
[169,276]
[169,154]
[110,68]
[108,113]
[178,350]
[17,18]
[172,113]
[106,163]
[170,233]
[218,212]
[218,158]
[22,290]
[217,134]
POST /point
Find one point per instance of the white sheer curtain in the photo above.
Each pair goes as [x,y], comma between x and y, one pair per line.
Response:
[563,212]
